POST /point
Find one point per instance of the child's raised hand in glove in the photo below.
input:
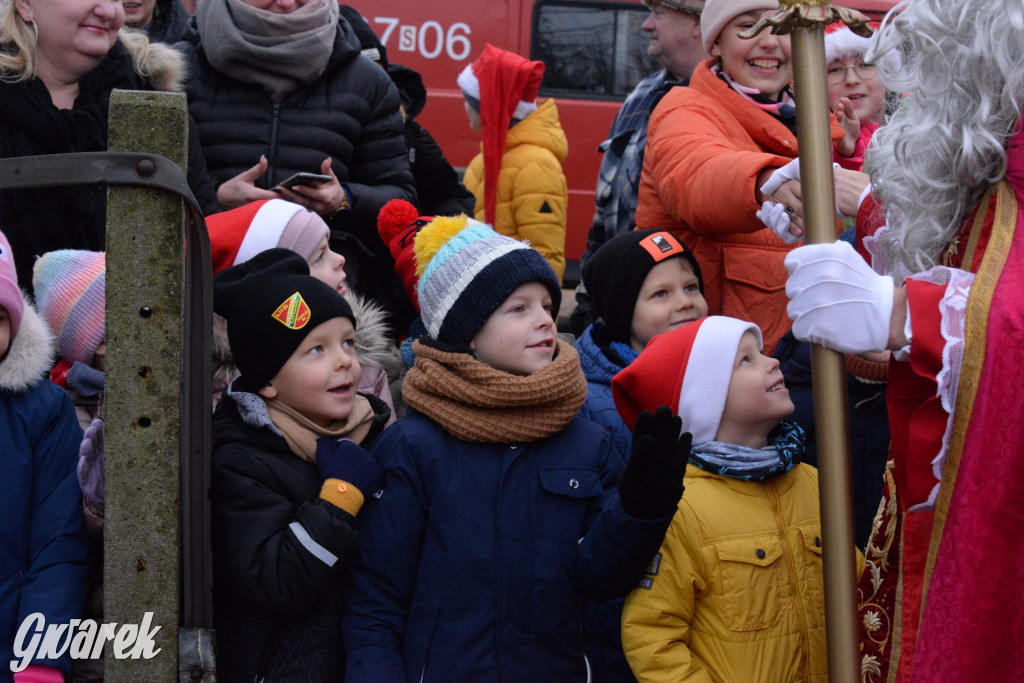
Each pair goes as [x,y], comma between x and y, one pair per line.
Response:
[652,482]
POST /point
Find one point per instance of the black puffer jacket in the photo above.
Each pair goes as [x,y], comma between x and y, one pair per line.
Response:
[350,113]
[277,600]
[440,191]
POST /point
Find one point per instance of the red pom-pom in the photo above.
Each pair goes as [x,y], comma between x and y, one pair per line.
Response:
[395,217]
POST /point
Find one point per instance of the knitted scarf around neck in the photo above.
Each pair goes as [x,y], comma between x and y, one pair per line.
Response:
[301,433]
[280,52]
[475,402]
[783,109]
[785,449]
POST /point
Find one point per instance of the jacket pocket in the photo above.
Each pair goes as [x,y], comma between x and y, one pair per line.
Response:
[753,584]
[754,276]
[811,557]
[564,498]
[573,483]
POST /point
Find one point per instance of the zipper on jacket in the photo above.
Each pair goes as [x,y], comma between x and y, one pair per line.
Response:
[272,152]
[773,499]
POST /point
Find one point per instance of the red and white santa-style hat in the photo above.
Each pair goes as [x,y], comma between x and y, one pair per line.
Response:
[687,369]
[502,86]
[841,42]
[239,234]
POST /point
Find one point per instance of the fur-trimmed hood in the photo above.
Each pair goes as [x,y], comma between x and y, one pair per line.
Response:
[373,338]
[160,64]
[30,355]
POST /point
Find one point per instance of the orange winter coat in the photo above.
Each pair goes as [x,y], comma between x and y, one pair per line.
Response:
[705,147]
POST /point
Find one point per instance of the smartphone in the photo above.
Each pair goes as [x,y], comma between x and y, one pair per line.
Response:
[309,179]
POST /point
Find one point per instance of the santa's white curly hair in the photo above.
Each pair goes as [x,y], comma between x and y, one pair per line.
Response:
[963,75]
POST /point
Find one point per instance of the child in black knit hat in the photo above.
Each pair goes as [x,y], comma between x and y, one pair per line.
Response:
[290,472]
[642,283]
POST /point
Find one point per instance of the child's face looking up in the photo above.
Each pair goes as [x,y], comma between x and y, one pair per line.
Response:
[669,298]
[5,332]
[519,337]
[757,399]
[320,378]
[326,266]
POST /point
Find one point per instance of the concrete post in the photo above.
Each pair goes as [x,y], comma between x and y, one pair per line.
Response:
[144,423]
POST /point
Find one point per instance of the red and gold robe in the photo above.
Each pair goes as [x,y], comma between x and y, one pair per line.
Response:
[942,595]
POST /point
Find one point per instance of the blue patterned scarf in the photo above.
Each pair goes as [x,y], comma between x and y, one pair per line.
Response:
[784,450]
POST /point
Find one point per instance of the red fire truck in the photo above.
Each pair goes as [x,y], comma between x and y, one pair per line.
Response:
[595,54]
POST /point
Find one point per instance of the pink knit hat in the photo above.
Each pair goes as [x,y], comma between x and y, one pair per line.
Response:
[239,234]
[10,295]
[70,287]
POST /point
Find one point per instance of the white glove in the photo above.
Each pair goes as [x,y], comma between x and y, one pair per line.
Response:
[776,217]
[791,171]
[837,300]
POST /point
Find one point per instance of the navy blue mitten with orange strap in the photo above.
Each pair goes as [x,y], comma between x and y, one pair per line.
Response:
[348,473]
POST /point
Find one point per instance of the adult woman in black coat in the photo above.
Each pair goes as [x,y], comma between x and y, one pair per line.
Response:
[59,60]
[279,87]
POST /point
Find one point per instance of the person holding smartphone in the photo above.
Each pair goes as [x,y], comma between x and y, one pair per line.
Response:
[279,87]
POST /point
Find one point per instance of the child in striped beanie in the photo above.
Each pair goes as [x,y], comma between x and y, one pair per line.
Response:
[492,472]
[70,290]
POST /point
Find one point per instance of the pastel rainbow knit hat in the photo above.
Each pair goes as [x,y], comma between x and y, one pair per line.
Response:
[70,287]
[467,270]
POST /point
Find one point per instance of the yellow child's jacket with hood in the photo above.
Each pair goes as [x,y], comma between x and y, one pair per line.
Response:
[532,194]
[736,593]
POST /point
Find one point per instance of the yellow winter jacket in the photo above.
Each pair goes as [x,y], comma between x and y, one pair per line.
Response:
[532,195]
[736,593]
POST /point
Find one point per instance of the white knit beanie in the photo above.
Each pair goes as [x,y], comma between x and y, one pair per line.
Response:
[718,13]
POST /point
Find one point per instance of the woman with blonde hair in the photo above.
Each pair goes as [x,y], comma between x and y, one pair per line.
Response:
[59,61]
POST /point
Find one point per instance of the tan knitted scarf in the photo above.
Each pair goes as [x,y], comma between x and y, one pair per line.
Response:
[475,402]
[301,433]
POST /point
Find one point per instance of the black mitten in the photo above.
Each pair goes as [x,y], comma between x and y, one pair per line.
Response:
[652,482]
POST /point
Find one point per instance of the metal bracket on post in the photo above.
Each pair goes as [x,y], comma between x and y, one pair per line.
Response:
[157,172]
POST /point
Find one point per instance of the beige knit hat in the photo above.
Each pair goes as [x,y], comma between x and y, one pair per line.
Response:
[718,13]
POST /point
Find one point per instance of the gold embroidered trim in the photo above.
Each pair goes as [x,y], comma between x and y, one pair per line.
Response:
[979,302]
[979,222]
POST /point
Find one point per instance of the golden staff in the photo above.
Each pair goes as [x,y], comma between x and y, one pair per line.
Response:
[806,20]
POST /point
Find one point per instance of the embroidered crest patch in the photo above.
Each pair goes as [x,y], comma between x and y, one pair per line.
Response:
[293,313]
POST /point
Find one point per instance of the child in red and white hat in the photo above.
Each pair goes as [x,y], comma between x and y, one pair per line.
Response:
[517,179]
[736,591]
[239,234]
[855,92]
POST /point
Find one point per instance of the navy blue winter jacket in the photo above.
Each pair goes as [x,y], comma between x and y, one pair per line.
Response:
[602,637]
[43,550]
[472,563]
[599,369]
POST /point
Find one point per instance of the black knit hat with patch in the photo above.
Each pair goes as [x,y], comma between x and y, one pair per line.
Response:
[615,273]
[271,303]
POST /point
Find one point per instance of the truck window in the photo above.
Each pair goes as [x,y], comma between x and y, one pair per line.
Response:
[591,50]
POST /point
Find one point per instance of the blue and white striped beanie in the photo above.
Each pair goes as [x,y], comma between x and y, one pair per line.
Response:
[466,270]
